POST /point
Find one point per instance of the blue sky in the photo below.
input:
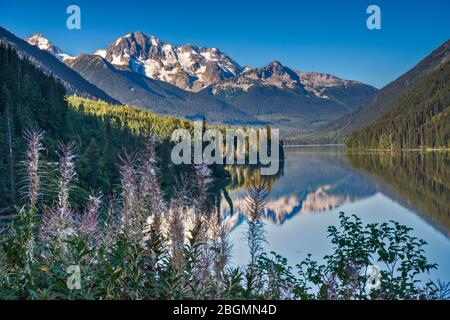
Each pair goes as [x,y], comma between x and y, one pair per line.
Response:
[326,36]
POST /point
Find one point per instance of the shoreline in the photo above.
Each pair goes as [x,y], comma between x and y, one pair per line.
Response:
[368,149]
[401,150]
[315,145]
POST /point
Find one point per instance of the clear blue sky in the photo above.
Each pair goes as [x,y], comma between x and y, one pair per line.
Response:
[326,36]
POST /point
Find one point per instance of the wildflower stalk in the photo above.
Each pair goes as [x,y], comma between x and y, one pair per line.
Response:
[31,164]
[256,198]
[129,193]
[151,197]
[26,216]
[89,221]
[176,220]
[67,175]
[221,248]
[58,222]
[203,257]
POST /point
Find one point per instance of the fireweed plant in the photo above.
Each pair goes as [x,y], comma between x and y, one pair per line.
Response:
[137,245]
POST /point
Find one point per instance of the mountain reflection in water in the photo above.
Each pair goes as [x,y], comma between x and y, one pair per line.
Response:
[312,181]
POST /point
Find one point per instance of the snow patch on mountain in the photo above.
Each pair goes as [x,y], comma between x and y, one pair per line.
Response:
[101,53]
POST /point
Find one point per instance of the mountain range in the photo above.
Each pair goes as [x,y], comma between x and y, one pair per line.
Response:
[273,94]
[193,81]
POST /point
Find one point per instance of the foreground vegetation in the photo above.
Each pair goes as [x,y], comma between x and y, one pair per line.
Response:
[140,246]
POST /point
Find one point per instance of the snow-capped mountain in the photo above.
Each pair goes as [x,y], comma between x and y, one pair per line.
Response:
[188,67]
[194,68]
[44,44]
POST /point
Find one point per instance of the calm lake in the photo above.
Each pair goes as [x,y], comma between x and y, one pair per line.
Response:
[316,183]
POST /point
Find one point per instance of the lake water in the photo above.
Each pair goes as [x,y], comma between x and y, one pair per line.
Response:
[317,183]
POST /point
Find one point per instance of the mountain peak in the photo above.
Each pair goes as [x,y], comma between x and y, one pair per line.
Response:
[41,42]
[274,74]
[275,63]
[140,34]
[38,40]
[275,67]
[138,38]
[36,35]
[137,33]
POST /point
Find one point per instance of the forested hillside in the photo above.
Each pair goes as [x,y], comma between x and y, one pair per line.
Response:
[31,99]
[391,93]
[419,119]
